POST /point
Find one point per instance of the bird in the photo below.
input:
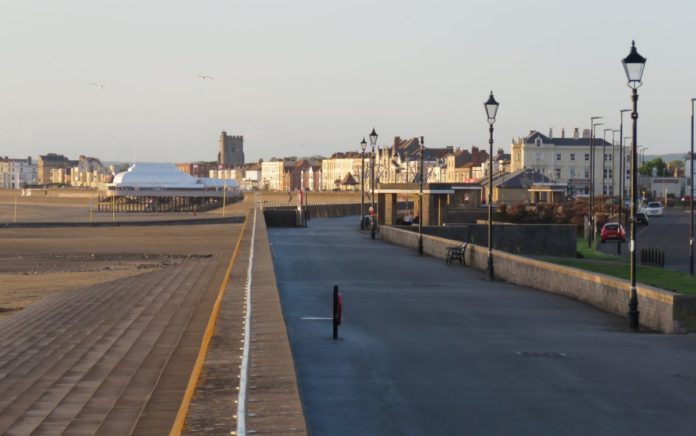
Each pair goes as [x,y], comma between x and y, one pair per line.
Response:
[98,85]
[205,77]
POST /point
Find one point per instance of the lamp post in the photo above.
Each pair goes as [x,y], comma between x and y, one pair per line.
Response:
[622,163]
[613,166]
[420,199]
[592,176]
[363,146]
[633,66]
[491,111]
[691,194]
[604,167]
[373,224]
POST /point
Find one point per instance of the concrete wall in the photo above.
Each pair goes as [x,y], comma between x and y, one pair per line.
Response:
[288,216]
[527,239]
[660,310]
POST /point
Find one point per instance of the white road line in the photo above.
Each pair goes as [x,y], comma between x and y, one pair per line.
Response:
[244,371]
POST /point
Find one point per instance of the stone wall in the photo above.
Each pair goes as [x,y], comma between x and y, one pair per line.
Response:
[660,310]
[526,239]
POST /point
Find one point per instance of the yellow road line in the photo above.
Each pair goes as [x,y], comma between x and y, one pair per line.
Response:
[178,426]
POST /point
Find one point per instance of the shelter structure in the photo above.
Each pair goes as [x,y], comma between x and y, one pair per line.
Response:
[162,187]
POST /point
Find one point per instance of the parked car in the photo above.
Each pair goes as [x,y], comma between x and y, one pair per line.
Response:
[642,218]
[613,231]
[654,208]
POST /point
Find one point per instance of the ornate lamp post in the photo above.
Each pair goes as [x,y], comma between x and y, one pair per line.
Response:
[373,225]
[363,146]
[592,177]
[420,199]
[633,65]
[491,111]
[691,194]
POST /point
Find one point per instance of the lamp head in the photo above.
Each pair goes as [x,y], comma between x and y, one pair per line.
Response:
[373,137]
[634,64]
[363,144]
[491,108]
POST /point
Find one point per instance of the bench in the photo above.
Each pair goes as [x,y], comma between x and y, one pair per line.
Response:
[456,253]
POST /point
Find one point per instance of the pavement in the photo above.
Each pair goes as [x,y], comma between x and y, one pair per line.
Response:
[669,233]
[427,348]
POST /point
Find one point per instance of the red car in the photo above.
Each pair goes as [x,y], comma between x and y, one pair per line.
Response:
[613,231]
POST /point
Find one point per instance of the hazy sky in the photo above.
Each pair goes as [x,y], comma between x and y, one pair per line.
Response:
[308,77]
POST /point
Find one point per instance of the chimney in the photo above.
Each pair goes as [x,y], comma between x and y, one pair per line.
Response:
[586,133]
[563,133]
[576,133]
[551,132]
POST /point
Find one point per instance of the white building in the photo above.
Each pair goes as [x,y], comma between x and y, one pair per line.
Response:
[17,173]
[337,167]
[272,176]
[566,160]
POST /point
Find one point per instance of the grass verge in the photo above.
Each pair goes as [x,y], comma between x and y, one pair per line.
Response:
[596,261]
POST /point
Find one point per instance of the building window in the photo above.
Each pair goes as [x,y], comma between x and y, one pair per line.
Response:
[558,156]
[607,173]
[537,142]
[587,173]
[558,173]
[572,173]
[587,156]
[538,156]
[572,156]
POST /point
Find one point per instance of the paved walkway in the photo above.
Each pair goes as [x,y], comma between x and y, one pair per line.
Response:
[110,359]
[431,349]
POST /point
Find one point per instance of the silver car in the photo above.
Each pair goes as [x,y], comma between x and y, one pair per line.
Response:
[654,208]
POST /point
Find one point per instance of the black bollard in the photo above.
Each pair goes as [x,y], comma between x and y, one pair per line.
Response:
[335,312]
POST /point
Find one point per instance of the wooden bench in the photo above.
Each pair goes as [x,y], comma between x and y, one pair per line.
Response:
[456,253]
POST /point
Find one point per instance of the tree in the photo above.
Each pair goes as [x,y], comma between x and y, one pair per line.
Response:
[647,168]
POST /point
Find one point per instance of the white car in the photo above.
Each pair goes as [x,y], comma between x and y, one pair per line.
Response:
[653,208]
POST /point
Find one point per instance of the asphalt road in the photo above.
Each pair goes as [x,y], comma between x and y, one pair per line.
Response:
[430,349]
[669,232]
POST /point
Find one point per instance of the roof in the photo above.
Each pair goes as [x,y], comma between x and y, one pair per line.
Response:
[533,135]
[163,175]
[523,178]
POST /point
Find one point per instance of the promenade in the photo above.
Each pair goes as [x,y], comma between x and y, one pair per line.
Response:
[427,348]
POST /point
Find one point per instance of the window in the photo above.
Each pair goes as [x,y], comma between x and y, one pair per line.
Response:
[587,156]
[587,172]
[558,173]
[538,156]
[607,173]
[558,156]
[572,156]
[537,142]
[572,173]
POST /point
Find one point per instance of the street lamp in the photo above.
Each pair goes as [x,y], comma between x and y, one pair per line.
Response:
[373,224]
[633,66]
[691,194]
[363,146]
[604,167]
[622,163]
[491,110]
[420,199]
[592,176]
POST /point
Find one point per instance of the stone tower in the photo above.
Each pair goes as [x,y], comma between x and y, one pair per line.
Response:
[231,150]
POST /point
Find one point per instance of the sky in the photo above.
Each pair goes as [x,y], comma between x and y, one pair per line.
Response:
[308,77]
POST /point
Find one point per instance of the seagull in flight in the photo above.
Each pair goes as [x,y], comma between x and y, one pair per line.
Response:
[98,85]
[205,77]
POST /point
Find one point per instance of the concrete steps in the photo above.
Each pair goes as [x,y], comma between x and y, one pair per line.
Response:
[66,363]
